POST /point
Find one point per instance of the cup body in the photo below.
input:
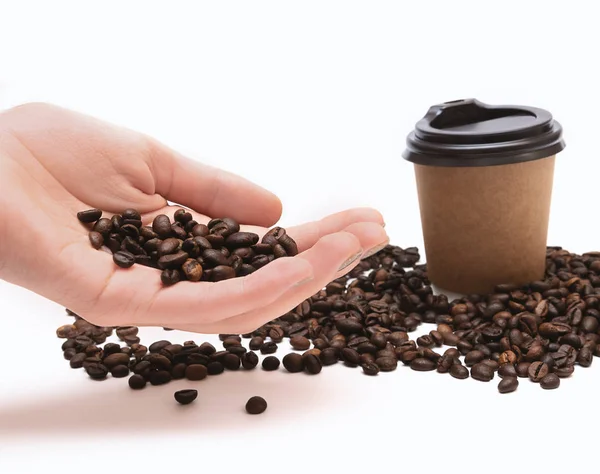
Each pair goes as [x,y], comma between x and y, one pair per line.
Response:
[485,225]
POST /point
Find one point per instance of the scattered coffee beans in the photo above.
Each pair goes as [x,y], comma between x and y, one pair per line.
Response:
[183,249]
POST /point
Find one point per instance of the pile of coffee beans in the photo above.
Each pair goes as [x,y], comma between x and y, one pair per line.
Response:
[185,249]
[540,331]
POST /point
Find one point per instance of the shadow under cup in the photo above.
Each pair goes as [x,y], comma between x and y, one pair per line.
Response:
[484,178]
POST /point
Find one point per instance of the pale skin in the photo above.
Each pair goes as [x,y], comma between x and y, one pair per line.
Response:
[55,162]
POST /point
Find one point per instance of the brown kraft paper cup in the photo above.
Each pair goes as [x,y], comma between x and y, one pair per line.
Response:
[485,214]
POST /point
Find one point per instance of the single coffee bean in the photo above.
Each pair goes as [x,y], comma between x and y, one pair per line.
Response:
[90,215]
[160,377]
[271,363]
[256,405]
[370,368]
[169,246]
[231,361]
[192,270]
[425,341]
[113,360]
[329,356]
[241,239]
[565,371]
[124,259]
[351,358]
[459,371]
[585,357]
[76,362]
[172,261]
[215,368]
[178,371]
[131,214]
[119,371]
[387,364]
[312,364]
[482,372]
[276,334]
[185,397]
[507,370]
[508,384]
[256,342]
[550,382]
[158,346]
[507,357]
[200,230]
[222,272]
[103,226]
[162,226]
[293,362]
[137,382]
[182,216]
[196,372]
[170,277]
[473,357]
[96,370]
[249,360]
[268,347]
[492,364]
[68,354]
[522,369]
[537,371]
[96,239]
[420,364]
[67,331]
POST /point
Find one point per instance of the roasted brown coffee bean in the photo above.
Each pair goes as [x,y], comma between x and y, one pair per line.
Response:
[215,368]
[170,277]
[119,371]
[312,364]
[508,384]
[550,382]
[482,372]
[473,357]
[124,259]
[137,382]
[421,364]
[172,261]
[96,370]
[231,361]
[192,269]
[329,356]
[351,358]
[507,357]
[268,347]
[300,343]
[256,405]
[96,239]
[507,370]
[459,371]
[537,371]
[90,215]
[249,360]
[162,226]
[222,272]
[293,363]
[271,363]
[522,369]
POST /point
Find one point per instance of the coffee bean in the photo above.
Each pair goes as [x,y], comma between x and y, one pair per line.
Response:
[90,215]
[162,226]
[76,362]
[370,368]
[256,405]
[522,369]
[120,371]
[185,397]
[103,226]
[172,261]
[585,357]
[293,363]
[96,370]
[249,360]
[222,272]
[268,348]
[96,239]
[192,270]
[67,331]
[137,382]
[178,371]
[508,384]
[160,377]
[215,368]
[473,357]
[312,364]
[459,371]
[507,370]
[507,357]
[388,364]
[351,358]
[158,346]
[276,334]
[170,277]
[537,371]
[231,361]
[550,381]
[329,356]
[113,360]
[564,372]
[271,363]
[255,343]
[197,371]
[421,364]
[482,372]
[124,259]
[241,239]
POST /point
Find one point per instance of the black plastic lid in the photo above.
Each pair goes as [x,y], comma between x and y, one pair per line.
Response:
[471,133]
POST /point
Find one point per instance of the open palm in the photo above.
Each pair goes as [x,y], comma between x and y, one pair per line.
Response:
[54,163]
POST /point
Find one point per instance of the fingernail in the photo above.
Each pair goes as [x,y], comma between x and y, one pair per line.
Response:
[303,282]
[350,261]
[376,249]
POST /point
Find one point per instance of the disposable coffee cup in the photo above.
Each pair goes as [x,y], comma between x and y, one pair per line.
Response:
[484,178]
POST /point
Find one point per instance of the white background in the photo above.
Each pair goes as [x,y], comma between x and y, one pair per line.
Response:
[327,91]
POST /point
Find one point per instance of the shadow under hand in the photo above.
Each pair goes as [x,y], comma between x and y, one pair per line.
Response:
[112,406]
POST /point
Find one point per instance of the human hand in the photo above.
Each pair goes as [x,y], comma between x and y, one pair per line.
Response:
[54,163]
